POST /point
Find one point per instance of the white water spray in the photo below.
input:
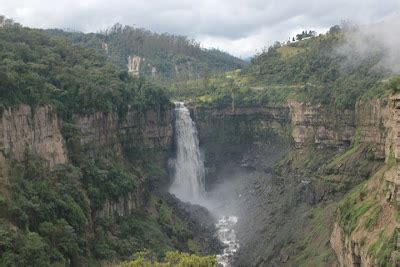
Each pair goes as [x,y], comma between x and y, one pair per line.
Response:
[189,184]
[189,176]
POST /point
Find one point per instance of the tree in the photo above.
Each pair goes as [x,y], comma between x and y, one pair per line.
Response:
[34,251]
[177,259]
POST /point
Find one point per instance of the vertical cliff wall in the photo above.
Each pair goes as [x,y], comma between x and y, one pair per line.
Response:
[321,125]
[306,124]
[369,238]
[151,130]
[134,131]
[360,144]
[37,130]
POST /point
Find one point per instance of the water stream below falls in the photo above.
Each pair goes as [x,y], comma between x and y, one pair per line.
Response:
[189,179]
[227,235]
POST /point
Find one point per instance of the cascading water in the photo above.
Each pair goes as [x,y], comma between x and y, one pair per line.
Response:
[189,179]
[188,182]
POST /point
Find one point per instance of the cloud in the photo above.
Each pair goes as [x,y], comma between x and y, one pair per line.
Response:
[237,26]
[379,40]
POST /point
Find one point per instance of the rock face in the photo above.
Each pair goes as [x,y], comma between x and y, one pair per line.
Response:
[373,119]
[347,250]
[240,125]
[38,130]
[106,130]
[373,128]
[151,130]
[305,123]
[125,205]
[378,125]
[134,65]
[26,129]
[315,124]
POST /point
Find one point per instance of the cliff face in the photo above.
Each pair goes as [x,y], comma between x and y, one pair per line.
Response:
[369,134]
[241,124]
[374,120]
[304,123]
[26,129]
[23,129]
[378,126]
[106,130]
[151,130]
[125,205]
[315,124]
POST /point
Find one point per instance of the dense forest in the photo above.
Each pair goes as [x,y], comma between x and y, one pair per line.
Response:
[38,69]
[48,216]
[173,57]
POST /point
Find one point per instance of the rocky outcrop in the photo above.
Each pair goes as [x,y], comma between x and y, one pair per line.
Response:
[152,130]
[149,130]
[378,124]
[348,251]
[125,205]
[240,124]
[305,123]
[36,130]
[373,120]
[319,125]
[371,130]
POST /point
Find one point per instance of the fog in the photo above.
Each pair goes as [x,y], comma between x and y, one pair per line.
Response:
[379,41]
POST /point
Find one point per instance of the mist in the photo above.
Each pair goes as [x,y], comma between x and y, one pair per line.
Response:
[378,42]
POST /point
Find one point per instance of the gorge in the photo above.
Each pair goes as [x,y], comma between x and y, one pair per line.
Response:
[291,160]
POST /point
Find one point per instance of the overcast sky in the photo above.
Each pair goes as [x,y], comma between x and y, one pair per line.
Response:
[237,26]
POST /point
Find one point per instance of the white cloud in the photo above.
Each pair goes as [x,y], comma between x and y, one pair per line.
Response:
[237,26]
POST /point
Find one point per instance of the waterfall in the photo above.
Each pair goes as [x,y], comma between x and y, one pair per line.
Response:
[188,184]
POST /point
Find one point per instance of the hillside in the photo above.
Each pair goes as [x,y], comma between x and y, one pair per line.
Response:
[83,146]
[163,56]
[311,70]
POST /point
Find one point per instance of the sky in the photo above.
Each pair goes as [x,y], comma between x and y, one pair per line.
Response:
[239,27]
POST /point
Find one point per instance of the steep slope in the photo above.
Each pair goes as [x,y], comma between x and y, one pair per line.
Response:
[161,56]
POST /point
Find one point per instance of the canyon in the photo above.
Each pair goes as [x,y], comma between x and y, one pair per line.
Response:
[251,141]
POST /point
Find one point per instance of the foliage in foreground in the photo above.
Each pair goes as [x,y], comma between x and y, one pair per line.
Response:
[178,259]
[49,217]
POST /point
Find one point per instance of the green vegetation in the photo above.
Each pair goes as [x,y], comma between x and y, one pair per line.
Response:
[310,70]
[394,84]
[175,58]
[372,218]
[50,214]
[178,259]
[37,69]
[382,249]
[325,76]
[354,148]
[353,206]
[315,249]
[54,216]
